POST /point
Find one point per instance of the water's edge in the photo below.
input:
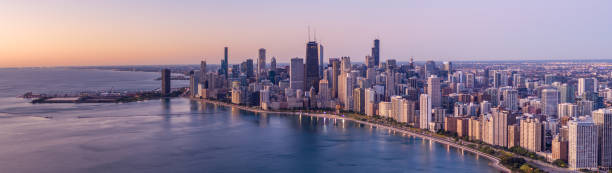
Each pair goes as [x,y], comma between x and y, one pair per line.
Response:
[495,162]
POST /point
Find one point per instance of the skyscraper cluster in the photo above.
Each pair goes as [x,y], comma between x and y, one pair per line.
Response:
[543,108]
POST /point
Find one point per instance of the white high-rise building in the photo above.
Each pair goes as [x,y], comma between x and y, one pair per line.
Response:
[396,104]
[384,109]
[406,111]
[603,119]
[345,90]
[582,147]
[501,120]
[370,101]
[296,74]
[550,100]
[433,91]
[425,110]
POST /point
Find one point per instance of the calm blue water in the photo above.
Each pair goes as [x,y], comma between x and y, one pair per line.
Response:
[179,135]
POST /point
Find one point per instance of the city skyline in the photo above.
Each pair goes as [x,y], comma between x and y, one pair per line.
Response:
[308,86]
[112,33]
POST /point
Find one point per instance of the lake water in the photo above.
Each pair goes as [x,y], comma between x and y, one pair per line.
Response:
[181,135]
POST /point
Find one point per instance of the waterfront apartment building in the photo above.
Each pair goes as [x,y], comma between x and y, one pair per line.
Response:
[475,129]
[531,134]
[582,144]
[384,109]
[370,101]
[559,148]
[425,110]
[514,135]
[501,120]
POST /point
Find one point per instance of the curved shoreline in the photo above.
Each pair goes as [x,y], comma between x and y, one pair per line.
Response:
[494,160]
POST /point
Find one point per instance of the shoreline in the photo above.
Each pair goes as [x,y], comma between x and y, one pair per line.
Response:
[495,162]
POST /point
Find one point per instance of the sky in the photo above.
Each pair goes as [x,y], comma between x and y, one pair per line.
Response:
[37,33]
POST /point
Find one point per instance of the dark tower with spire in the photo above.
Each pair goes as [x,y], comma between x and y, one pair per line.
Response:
[312,64]
[376,52]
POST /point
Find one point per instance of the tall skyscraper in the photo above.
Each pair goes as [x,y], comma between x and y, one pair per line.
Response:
[226,62]
[583,144]
[334,78]
[603,119]
[261,64]
[425,111]
[312,66]
[321,64]
[550,100]
[296,74]
[165,79]
[376,52]
[433,90]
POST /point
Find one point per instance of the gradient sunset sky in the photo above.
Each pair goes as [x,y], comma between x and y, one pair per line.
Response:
[126,32]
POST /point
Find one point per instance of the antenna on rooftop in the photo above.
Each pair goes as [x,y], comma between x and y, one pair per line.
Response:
[315,35]
[308,33]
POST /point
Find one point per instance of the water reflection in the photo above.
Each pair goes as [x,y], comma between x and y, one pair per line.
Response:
[165,102]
